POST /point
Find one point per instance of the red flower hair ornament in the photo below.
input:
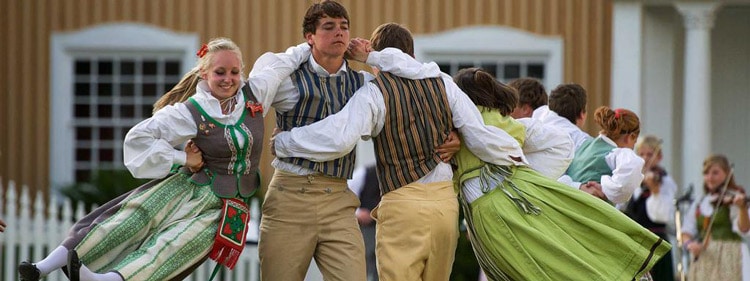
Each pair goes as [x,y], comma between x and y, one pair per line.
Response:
[617,113]
[202,52]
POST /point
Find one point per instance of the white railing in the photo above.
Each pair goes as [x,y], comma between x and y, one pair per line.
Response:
[30,237]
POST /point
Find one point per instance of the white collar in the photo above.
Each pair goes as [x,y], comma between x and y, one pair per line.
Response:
[322,72]
[211,104]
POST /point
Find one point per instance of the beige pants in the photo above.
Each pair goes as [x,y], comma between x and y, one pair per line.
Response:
[417,232]
[306,217]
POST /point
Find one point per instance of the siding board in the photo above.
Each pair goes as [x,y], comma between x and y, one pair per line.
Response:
[12,107]
[259,26]
[25,98]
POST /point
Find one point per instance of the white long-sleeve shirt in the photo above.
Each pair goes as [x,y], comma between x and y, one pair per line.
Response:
[626,173]
[363,117]
[389,60]
[548,149]
[149,146]
[660,207]
[547,116]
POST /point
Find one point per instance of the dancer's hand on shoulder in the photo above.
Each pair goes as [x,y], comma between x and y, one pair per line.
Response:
[359,49]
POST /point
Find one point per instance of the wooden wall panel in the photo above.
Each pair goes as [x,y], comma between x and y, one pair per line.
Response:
[259,26]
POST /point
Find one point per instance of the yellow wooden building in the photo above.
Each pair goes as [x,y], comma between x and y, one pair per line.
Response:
[78,73]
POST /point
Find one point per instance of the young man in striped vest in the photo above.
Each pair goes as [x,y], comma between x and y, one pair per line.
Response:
[308,210]
[407,116]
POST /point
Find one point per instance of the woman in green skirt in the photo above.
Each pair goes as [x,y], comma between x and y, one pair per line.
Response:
[525,226]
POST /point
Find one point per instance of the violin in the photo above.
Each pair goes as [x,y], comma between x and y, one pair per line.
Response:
[652,170]
[656,173]
[728,197]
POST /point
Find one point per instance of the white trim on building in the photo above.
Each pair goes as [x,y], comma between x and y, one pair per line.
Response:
[119,38]
[506,44]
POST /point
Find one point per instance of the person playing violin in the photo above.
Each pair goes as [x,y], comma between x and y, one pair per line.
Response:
[713,229]
[651,205]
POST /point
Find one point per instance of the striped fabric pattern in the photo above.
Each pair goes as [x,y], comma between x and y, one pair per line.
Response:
[418,119]
[171,225]
[320,97]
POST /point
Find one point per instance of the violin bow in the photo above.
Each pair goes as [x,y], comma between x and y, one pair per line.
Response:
[718,204]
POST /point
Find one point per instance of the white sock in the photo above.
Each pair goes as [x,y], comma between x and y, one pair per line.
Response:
[55,260]
[87,275]
[110,276]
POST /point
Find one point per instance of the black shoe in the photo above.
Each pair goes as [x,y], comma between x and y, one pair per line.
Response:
[74,265]
[27,271]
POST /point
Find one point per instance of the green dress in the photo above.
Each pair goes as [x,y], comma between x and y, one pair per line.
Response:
[533,228]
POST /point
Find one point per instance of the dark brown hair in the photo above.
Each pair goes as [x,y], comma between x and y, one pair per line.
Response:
[392,35]
[568,101]
[325,8]
[618,122]
[483,89]
[530,91]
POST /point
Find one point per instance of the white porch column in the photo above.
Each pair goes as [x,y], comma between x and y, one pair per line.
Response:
[696,136]
[627,55]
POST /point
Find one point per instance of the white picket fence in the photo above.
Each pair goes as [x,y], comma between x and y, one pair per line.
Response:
[31,237]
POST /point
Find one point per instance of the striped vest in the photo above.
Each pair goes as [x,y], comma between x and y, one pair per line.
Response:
[230,169]
[417,119]
[320,97]
[589,163]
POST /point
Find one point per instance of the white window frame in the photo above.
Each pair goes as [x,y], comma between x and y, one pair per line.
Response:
[120,37]
[494,41]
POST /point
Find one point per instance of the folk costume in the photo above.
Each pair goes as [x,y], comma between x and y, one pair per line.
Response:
[407,113]
[618,170]
[417,120]
[179,221]
[724,257]
[525,226]
[655,212]
[308,211]
[131,234]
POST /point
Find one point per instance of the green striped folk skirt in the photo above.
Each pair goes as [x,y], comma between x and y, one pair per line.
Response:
[572,236]
[157,234]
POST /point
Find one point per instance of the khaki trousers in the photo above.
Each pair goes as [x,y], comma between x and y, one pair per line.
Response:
[305,217]
[417,232]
